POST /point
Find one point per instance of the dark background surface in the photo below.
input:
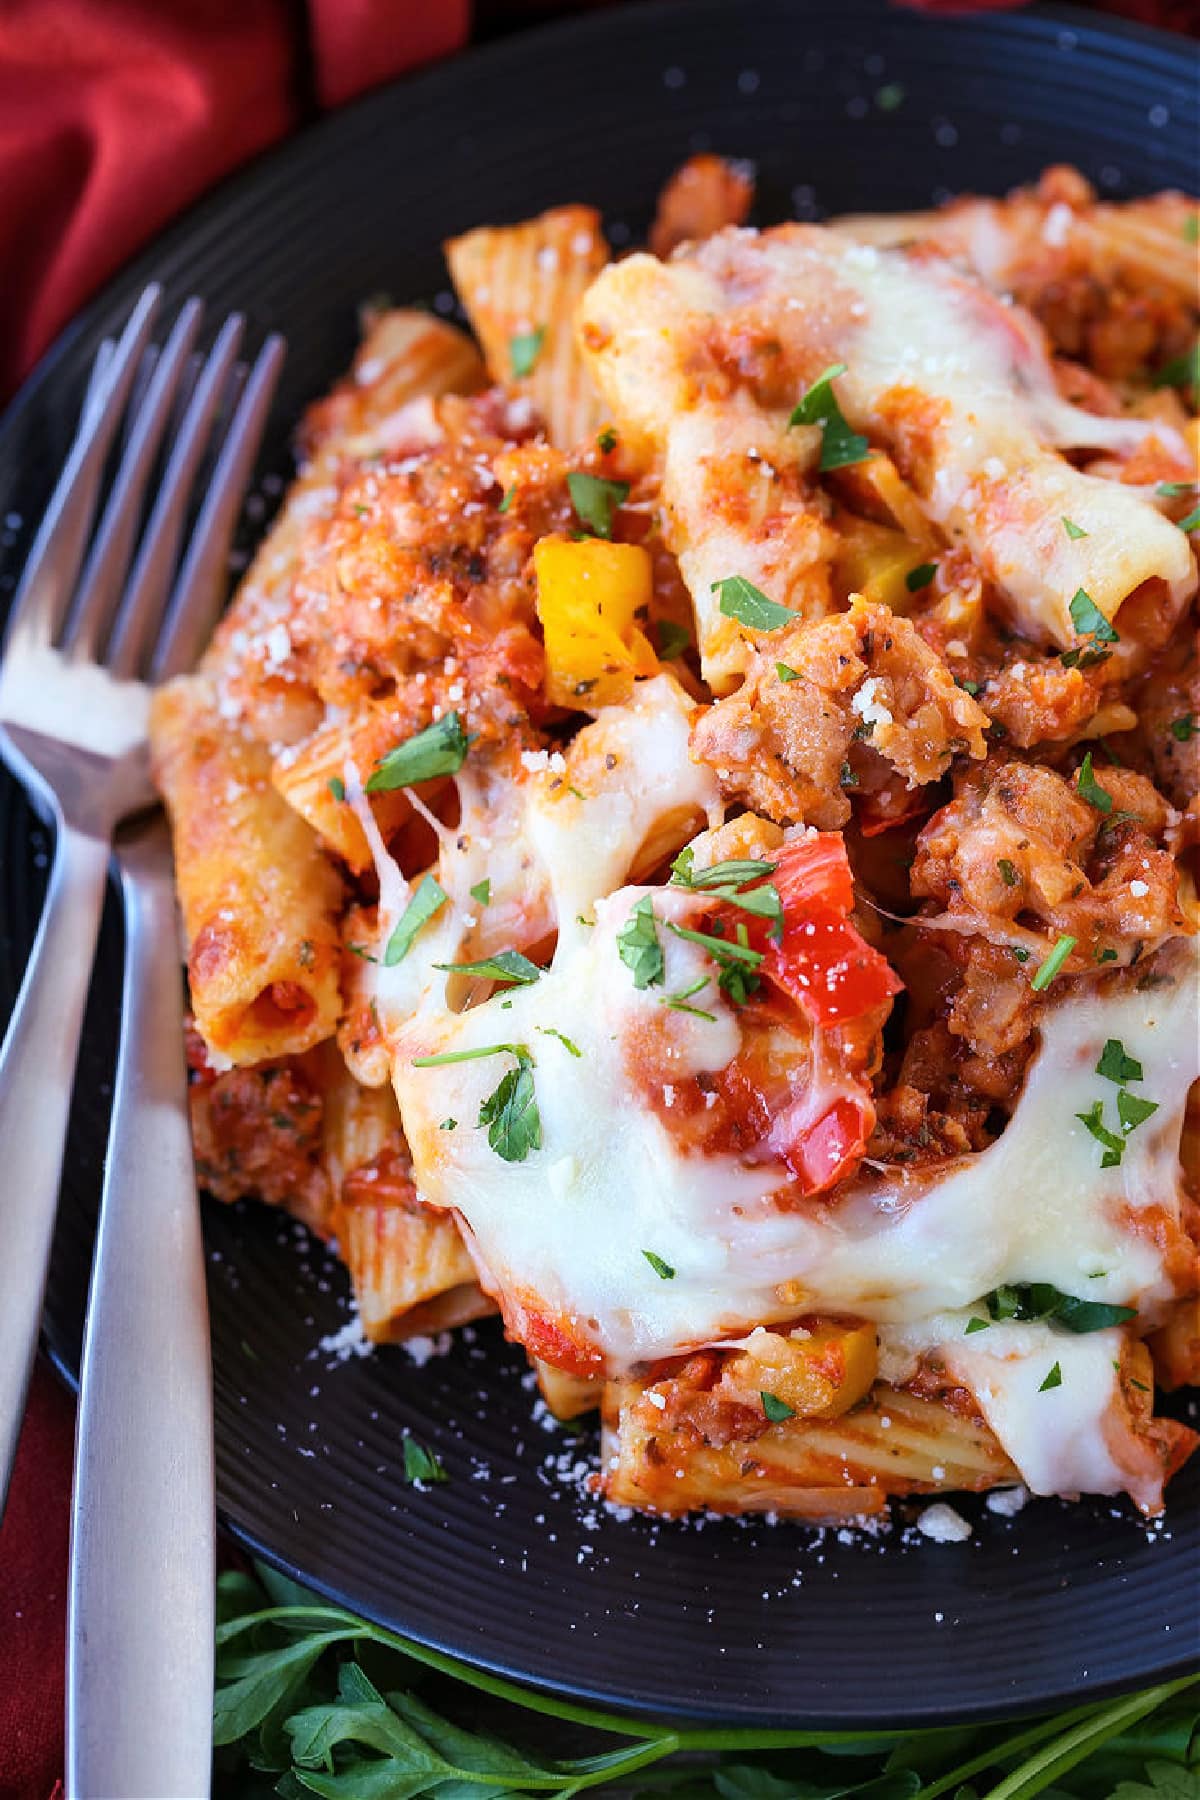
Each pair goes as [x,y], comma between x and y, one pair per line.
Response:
[508,1563]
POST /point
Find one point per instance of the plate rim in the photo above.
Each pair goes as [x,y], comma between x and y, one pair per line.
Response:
[1028,24]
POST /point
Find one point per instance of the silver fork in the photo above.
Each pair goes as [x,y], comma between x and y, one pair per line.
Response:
[92,625]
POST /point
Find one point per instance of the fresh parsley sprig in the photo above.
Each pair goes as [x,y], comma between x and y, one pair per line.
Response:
[839,445]
[296,1713]
[441,749]
[1041,1301]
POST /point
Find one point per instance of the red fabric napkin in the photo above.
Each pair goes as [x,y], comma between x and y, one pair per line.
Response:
[114,114]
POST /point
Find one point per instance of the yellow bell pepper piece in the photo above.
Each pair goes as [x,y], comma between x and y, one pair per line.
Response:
[873,560]
[589,593]
[819,1375]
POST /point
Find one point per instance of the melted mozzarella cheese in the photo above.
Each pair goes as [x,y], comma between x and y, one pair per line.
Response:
[1063,1438]
[634,771]
[570,1222]
[993,481]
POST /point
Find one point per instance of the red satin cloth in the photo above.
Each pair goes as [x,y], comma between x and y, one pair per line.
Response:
[114,114]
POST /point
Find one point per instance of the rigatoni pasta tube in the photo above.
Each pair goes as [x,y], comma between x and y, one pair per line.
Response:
[259,898]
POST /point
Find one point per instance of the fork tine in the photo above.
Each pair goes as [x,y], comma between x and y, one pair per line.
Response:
[200,587]
[148,586]
[62,537]
[108,562]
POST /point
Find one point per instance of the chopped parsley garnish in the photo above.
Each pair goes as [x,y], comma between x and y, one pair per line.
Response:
[662,1269]
[441,749]
[846,776]
[736,960]
[1191,228]
[1053,963]
[1021,954]
[973,1325]
[337,787]
[839,445]
[775,1409]
[734,874]
[1192,521]
[673,639]
[421,1467]
[506,965]
[1090,623]
[514,1124]
[429,897]
[916,579]
[1093,1121]
[1181,371]
[1105,955]
[567,1043]
[741,600]
[968,687]
[1090,789]
[1053,1379]
[1041,1300]
[607,440]
[1008,872]
[1116,1065]
[1171,490]
[1072,529]
[445,1057]
[638,945]
[596,500]
[679,1002]
[482,891]
[448,1125]
[524,350]
[1183,729]
[786,673]
[510,495]
[1133,1111]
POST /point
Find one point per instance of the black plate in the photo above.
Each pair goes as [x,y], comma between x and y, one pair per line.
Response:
[508,1565]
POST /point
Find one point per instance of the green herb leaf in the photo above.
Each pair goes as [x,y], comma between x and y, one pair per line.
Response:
[723,949]
[524,350]
[1114,1147]
[1090,789]
[1183,729]
[511,1115]
[1089,621]
[1053,1379]
[973,1325]
[741,600]
[839,445]
[1192,520]
[775,1409]
[1181,371]
[596,500]
[446,1057]
[510,495]
[448,1125]
[638,945]
[735,873]
[420,1464]
[916,579]
[507,965]
[1053,963]
[1072,529]
[482,891]
[673,639]
[427,900]
[1040,1300]
[337,787]
[567,1043]
[1171,490]
[441,749]
[679,1002]
[607,441]
[1008,872]
[662,1269]
[786,673]
[1116,1065]
[1133,1111]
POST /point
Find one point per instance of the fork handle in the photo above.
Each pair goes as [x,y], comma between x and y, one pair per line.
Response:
[37,1070]
[141,1613]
